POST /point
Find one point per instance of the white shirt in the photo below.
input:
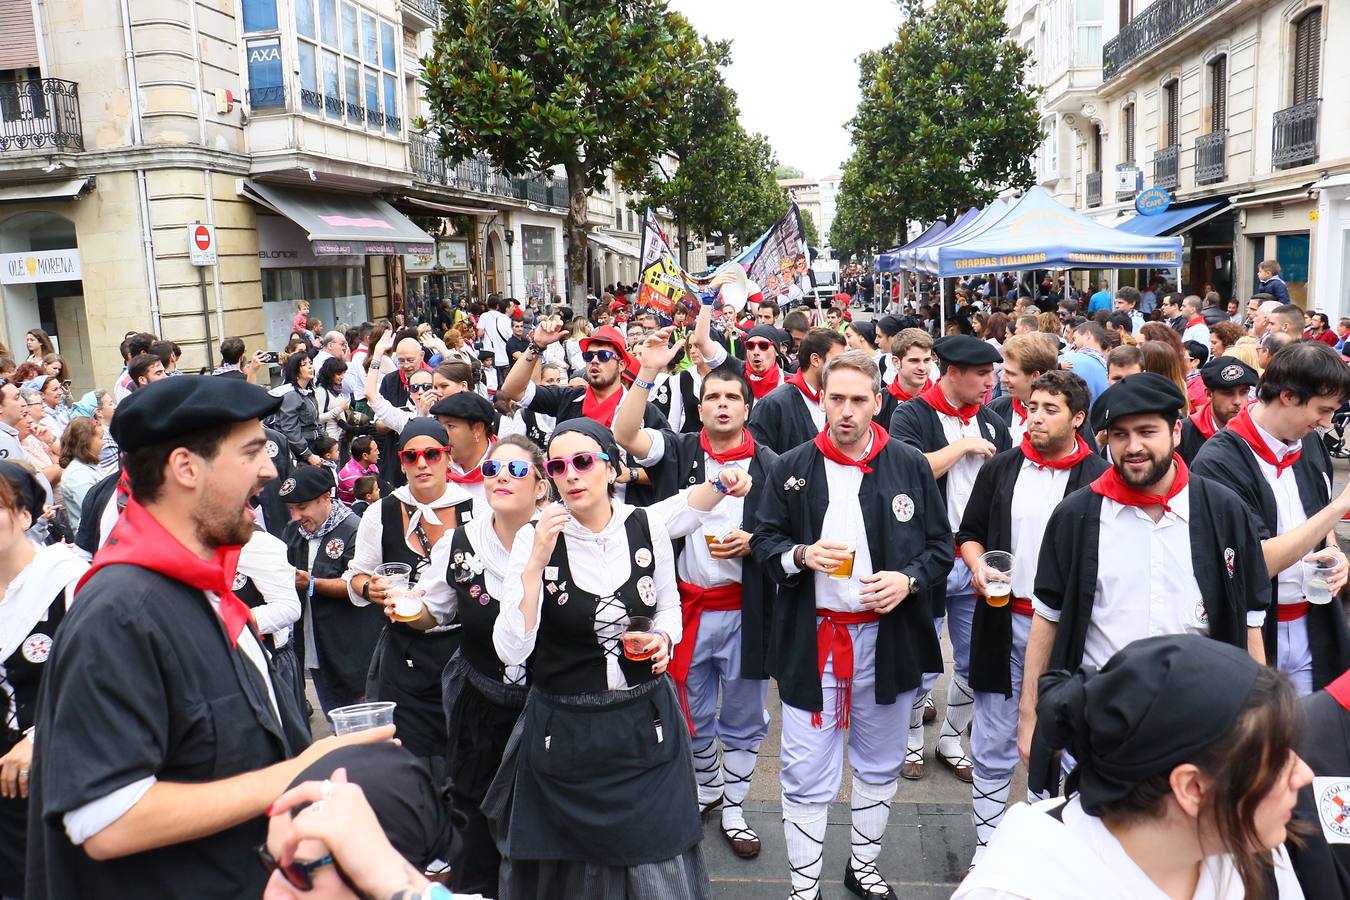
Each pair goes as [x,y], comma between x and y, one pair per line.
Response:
[843,522]
[440,597]
[961,476]
[477,490]
[1018,429]
[1197,332]
[601,563]
[696,565]
[369,552]
[1289,512]
[496,328]
[1035,496]
[27,598]
[9,443]
[264,560]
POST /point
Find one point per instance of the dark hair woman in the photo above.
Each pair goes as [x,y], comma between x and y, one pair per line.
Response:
[598,798]
[37,585]
[298,418]
[328,399]
[1184,784]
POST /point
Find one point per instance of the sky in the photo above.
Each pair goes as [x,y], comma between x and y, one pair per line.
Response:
[794,68]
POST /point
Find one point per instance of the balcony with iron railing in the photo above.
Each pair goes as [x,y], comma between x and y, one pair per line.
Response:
[1295,135]
[1148,31]
[1094,189]
[421,14]
[1211,157]
[40,114]
[477,175]
[1167,166]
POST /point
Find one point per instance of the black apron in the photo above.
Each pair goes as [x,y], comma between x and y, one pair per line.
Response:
[23,673]
[481,710]
[407,663]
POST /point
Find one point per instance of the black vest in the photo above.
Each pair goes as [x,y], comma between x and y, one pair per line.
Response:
[476,609]
[24,667]
[569,658]
[533,430]
[689,411]
[244,588]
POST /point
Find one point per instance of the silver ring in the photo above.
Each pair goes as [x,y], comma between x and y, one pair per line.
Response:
[325,788]
[23,773]
[316,806]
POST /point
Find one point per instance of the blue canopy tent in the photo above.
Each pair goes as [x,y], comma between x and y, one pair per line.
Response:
[890,260]
[1038,232]
[925,259]
[931,237]
[1178,218]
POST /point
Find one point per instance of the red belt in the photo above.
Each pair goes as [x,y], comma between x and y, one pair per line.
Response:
[694,600]
[832,635]
[1022,607]
[1289,612]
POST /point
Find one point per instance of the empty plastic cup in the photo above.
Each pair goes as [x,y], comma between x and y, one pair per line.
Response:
[362,716]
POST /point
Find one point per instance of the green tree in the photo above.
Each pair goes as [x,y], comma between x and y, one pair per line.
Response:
[784,171]
[809,228]
[588,85]
[946,121]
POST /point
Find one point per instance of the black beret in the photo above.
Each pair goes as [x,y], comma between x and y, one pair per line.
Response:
[306,483]
[1157,703]
[1228,372]
[175,408]
[465,405]
[890,325]
[964,350]
[767,332]
[1146,392]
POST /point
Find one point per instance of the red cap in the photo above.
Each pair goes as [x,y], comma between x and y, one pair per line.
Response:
[608,334]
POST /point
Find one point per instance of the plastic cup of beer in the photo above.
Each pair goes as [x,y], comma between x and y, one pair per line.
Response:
[362,716]
[637,638]
[712,534]
[844,570]
[997,566]
[1316,571]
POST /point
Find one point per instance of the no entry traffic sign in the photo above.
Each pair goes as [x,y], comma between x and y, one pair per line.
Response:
[202,244]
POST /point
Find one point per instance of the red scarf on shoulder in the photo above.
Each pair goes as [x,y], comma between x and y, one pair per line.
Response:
[832,452]
[1203,420]
[933,396]
[762,384]
[1245,427]
[1080,453]
[138,539]
[744,450]
[1109,484]
[798,380]
[601,411]
[900,394]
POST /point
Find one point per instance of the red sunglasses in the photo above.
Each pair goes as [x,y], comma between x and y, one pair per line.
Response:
[432,455]
[759,345]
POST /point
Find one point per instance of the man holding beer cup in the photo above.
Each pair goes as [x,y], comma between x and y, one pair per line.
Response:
[1013,497]
[853,529]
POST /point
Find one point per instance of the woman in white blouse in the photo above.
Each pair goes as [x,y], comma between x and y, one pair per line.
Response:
[482,696]
[597,796]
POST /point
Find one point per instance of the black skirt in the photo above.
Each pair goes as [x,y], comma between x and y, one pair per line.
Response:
[13,830]
[596,797]
[480,715]
[406,669]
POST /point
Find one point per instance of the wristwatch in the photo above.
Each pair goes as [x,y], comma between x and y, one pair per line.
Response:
[914,587]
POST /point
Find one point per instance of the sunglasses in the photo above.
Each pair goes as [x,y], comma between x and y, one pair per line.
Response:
[432,455]
[297,874]
[603,356]
[518,468]
[418,388]
[758,345]
[580,462]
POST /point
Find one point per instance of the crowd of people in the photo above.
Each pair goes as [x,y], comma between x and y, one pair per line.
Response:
[572,548]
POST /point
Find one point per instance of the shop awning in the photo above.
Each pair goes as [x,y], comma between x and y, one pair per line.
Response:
[343,224]
[448,209]
[614,245]
[1178,218]
[66,189]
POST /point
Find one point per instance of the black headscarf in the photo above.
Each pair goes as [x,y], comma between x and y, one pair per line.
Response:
[423,426]
[593,430]
[1157,703]
[27,488]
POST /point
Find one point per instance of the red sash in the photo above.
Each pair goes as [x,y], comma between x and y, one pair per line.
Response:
[694,600]
[1289,612]
[1022,607]
[832,635]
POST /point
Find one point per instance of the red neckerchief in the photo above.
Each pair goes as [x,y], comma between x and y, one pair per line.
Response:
[933,396]
[601,411]
[138,539]
[1110,484]
[1203,420]
[1019,409]
[834,454]
[1340,690]
[798,380]
[474,475]
[762,384]
[1081,451]
[1195,320]
[900,394]
[1245,428]
[744,450]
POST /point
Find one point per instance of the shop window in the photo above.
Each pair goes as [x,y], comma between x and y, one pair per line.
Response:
[539,261]
[336,295]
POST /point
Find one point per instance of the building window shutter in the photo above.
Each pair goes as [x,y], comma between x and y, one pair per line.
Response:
[1096,148]
[1218,92]
[1307,56]
[1129,133]
[1170,98]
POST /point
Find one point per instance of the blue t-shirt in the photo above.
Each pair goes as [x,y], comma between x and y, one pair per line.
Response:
[1100,301]
[1088,367]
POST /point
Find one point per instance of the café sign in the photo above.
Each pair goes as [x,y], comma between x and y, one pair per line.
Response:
[39,266]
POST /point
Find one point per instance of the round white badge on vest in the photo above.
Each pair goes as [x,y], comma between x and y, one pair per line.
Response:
[1201,614]
[240,579]
[643,557]
[646,588]
[1333,808]
[903,507]
[334,548]
[272,449]
[37,647]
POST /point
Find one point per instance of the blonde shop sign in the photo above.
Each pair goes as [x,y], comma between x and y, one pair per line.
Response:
[40,266]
